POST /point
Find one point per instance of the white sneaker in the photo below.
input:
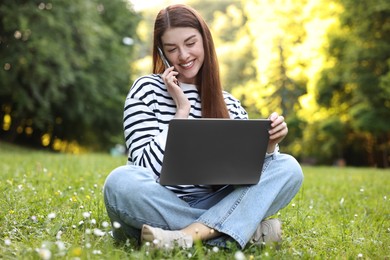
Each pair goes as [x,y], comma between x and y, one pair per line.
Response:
[268,232]
[167,239]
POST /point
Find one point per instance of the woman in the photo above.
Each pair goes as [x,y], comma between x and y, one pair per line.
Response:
[191,88]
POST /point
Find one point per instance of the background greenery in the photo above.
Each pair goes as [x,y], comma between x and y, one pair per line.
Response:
[66,69]
[52,205]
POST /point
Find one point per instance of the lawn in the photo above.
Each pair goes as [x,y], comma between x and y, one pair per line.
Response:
[52,207]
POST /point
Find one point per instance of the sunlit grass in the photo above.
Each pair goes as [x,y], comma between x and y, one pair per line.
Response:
[52,207]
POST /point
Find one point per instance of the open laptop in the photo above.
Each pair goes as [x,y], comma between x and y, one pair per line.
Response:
[214,151]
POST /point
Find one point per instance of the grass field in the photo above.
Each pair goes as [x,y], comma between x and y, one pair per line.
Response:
[51,206]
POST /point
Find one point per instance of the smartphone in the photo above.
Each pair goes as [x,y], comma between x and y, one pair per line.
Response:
[165,61]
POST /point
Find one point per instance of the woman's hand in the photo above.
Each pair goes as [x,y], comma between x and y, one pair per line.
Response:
[277,132]
[182,103]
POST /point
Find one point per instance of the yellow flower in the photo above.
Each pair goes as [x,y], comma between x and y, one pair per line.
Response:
[76,251]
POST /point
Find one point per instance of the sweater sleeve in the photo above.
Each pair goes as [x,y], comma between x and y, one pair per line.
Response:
[145,140]
[236,111]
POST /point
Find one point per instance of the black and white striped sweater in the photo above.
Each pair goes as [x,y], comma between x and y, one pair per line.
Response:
[147,112]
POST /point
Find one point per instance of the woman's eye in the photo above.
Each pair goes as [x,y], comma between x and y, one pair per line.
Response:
[171,50]
[191,43]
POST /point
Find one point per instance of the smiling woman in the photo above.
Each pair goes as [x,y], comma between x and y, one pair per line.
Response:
[184,49]
[191,88]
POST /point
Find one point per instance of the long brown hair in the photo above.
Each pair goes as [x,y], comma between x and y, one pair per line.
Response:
[207,80]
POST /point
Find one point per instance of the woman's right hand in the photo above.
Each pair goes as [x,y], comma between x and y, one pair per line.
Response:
[183,105]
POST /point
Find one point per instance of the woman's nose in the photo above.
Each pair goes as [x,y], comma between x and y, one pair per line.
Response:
[183,54]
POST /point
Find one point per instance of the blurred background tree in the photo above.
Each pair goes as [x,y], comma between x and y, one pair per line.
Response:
[355,85]
[65,71]
[324,65]
[289,37]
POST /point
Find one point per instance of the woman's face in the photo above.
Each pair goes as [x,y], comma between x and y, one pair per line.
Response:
[183,47]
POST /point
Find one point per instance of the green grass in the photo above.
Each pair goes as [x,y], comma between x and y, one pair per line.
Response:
[340,213]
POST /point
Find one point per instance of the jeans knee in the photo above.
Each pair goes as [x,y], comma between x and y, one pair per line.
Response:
[128,181]
[293,169]
[114,179]
[120,182]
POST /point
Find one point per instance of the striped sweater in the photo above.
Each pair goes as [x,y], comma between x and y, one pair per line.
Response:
[147,112]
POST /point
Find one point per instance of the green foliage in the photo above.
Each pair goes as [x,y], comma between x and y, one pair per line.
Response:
[324,65]
[358,80]
[285,47]
[66,70]
[338,213]
[327,136]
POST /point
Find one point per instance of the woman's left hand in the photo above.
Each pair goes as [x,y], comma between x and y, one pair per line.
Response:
[277,132]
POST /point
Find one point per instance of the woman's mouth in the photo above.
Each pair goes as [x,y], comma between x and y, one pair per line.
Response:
[187,65]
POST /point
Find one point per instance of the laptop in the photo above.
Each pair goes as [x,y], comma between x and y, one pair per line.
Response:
[214,151]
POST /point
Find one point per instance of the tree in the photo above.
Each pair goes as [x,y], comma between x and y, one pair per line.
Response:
[234,46]
[287,38]
[66,71]
[356,84]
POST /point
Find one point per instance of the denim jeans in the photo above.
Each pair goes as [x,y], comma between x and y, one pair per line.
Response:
[133,198]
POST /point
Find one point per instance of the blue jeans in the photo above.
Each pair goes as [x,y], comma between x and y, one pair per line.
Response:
[133,198]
